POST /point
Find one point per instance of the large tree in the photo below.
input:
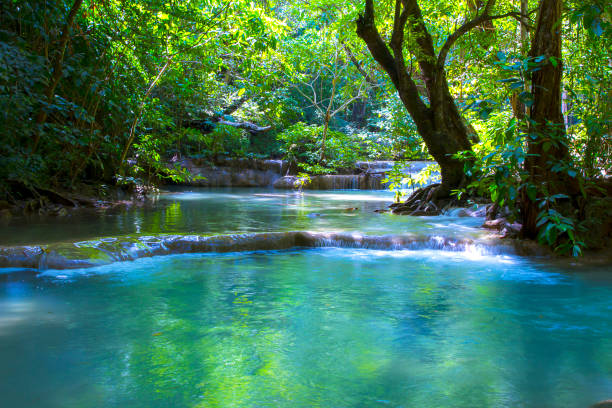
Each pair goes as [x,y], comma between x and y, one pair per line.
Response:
[547,144]
[432,106]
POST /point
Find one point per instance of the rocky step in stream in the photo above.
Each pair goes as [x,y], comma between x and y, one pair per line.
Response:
[87,254]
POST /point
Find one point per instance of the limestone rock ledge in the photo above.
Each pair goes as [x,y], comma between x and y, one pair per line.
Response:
[334,182]
[93,253]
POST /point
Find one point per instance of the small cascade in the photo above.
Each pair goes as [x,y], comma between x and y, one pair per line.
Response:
[340,182]
[42,260]
[411,173]
[370,177]
[265,173]
[100,252]
[335,182]
[392,242]
[278,165]
[374,166]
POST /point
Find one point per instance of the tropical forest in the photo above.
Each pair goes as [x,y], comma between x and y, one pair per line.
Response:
[307,203]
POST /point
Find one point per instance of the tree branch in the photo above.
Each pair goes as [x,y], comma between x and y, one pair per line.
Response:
[358,65]
[348,102]
[367,31]
[251,127]
[57,71]
[403,82]
[236,105]
[313,99]
[473,23]
[399,23]
[426,56]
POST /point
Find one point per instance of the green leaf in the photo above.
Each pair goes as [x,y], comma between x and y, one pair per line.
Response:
[532,192]
[526,98]
[517,85]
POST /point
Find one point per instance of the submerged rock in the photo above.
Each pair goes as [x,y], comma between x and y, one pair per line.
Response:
[99,252]
[506,228]
[472,211]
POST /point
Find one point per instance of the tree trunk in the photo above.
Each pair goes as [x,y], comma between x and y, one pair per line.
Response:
[546,142]
[523,25]
[518,107]
[448,137]
[324,138]
[444,134]
[440,124]
[139,113]
[56,74]
[359,113]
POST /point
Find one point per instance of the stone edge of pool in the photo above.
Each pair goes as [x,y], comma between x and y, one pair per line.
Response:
[86,254]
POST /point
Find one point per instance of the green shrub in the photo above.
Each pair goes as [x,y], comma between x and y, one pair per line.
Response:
[302,144]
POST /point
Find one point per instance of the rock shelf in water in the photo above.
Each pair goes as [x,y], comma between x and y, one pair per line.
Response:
[268,173]
[93,253]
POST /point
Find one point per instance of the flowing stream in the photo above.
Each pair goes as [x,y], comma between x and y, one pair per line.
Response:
[333,324]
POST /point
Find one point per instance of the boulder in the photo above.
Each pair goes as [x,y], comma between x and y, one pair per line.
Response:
[287,182]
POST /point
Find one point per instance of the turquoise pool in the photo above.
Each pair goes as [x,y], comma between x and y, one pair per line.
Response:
[316,327]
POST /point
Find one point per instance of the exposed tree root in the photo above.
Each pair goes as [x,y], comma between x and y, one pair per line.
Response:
[56,197]
[421,202]
[425,202]
[29,199]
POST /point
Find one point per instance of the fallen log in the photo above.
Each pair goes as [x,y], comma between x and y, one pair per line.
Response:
[251,127]
[207,126]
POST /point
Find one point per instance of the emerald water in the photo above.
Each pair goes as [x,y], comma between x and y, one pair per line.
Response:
[223,211]
[323,327]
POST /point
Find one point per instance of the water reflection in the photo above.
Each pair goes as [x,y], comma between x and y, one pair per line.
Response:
[204,211]
[323,327]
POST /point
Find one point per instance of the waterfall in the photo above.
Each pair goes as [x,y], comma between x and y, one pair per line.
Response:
[100,252]
[265,173]
[42,263]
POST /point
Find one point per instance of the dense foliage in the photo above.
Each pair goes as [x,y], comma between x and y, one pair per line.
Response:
[114,90]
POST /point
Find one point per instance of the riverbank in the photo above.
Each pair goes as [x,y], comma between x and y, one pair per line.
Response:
[220,173]
[268,174]
[51,202]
